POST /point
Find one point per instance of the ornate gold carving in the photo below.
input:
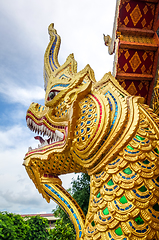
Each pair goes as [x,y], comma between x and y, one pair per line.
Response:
[147,85]
[140,86]
[152,6]
[135,61]
[138,39]
[120,51]
[150,69]
[145,9]
[98,128]
[128,7]
[136,15]
[107,40]
[150,25]
[123,84]
[155,103]
[126,20]
[143,22]
[144,56]
[127,54]
[132,89]
[143,68]
[151,54]
[125,67]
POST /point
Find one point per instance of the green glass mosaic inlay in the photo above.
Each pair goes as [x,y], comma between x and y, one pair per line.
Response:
[98,195]
[142,189]
[139,220]
[118,231]
[93,223]
[123,200]
[156,150]
[110,183]
[127,171]
[139,137]
[129,147]
[106,211]
[157,179]
[121,95]
[156,207]
[146,161]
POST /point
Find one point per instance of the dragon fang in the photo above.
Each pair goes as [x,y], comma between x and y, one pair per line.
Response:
[98,128]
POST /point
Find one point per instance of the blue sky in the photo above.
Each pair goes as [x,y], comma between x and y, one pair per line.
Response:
[24,38]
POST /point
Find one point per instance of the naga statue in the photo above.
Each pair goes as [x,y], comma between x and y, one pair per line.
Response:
[99,129]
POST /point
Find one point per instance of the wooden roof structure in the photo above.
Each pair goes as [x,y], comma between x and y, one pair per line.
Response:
[136,46]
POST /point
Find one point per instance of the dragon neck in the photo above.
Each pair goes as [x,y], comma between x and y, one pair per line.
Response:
[105,125]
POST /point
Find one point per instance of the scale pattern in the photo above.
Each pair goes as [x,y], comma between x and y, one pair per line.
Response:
[105,132]
[124,200]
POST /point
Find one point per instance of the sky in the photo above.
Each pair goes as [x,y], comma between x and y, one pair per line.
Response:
[23,40]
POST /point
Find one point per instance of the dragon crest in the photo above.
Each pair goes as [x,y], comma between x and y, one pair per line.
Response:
[98,128]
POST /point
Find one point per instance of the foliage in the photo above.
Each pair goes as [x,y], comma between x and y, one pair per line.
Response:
[7,230]
[37,228]
[80,191]
[59,212]
[62,231]
[14,227]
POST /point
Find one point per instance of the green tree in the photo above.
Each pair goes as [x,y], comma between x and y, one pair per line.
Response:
[7,229]
[80,191]
[20,226]
[38,228]
[12,226]
[62,231]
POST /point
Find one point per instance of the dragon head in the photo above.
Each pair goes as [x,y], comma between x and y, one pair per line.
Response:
[77,119]
[65,88]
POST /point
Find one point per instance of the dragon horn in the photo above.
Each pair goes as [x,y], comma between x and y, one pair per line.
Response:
[51,54]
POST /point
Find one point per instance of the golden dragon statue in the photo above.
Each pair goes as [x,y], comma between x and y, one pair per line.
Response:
[98,128]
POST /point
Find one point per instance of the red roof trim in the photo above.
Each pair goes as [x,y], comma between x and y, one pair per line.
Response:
[41,215]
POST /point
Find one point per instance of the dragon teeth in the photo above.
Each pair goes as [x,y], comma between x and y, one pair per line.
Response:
[59,134]
[43,130]
[33,126]
[30,121]
[48,132]
[51,135]
[40,127]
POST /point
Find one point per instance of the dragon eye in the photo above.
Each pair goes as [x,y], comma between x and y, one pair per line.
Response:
[51,95]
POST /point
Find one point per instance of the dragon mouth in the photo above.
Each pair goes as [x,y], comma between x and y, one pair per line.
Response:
[51,136]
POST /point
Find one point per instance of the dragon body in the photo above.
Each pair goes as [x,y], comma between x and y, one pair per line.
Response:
[98,128]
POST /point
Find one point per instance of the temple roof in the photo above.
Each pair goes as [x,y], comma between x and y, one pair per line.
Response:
[136,46]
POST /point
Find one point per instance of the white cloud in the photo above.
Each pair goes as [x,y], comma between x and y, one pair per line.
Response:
[17,94]
[24,38]
[80,33]
[17,192]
